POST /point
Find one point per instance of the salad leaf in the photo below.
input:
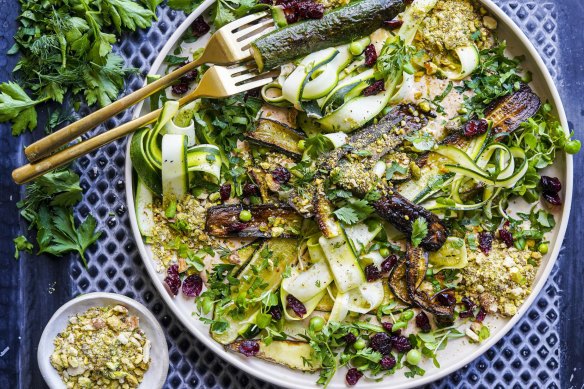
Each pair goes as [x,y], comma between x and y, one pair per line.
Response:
[18,107]
[419,231]
[21,244]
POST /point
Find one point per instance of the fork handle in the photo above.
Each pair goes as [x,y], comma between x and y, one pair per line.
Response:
[33,170]
[52,142]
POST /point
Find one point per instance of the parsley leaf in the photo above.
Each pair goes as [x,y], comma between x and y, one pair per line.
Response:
[65,236]
[354,211]
[419,231]
[48,207]
[316,145]
[16,106]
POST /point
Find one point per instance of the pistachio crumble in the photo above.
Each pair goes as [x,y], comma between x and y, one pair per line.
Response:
[102,348]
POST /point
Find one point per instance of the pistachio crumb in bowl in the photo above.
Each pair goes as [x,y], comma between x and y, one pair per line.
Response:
[103,340]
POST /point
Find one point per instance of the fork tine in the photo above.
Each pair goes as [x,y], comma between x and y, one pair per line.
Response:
[247,30]
[254,84]
[238,23]
[244,43]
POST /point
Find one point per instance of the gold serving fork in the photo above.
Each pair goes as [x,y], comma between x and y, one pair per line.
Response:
[228,45]
[217,82]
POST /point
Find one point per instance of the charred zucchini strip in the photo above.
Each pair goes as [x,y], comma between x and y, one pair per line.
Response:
[337,27]
[268,220]
[278,136]
[402,213]
[416,266]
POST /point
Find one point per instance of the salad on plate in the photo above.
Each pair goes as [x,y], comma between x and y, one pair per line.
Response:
[385,195]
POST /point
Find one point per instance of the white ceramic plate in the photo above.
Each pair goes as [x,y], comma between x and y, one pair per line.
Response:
[459,352]
[156,373]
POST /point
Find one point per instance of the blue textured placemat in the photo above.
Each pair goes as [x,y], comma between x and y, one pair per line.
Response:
[526,357]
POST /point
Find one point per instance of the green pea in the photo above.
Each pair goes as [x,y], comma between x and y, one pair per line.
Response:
[359,46]
[245,215]
[317,323]
[413,357]
[543,248]
[407,315]
[573,147]
[359,344]
[384,252]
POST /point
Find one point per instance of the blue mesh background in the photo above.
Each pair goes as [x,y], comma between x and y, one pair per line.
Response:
[526,357]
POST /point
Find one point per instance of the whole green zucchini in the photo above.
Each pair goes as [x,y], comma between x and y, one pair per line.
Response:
[336,27]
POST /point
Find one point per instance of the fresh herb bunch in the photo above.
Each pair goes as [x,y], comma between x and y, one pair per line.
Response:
[66,47]
[48,207]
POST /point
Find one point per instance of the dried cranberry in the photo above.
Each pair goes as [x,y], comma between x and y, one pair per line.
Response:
[190,76]
[276,313]
[291,13]
[172,270]
[310,10]
[250,190]
[225,191]
[381,342]
[481,315]
[173,284]
[180,89]
[281,175]
[172,280]
[446,299]
[296,306]
[199,27]
[393,24]
[192,285]
[387,326]
[374,88]
[485,241]
[350,338]
[423,322]
[353,376]
[475,127]
[389,263]
[387,362]
[401,344]
[370,55]
[552,198]
[550,184]
[249,348]
[506,236]
[372,273]
[468,303]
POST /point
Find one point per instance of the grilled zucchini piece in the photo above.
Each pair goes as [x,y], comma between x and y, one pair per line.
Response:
[276,135]
[268,221]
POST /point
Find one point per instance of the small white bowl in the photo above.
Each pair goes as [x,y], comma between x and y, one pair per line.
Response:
[154,377]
